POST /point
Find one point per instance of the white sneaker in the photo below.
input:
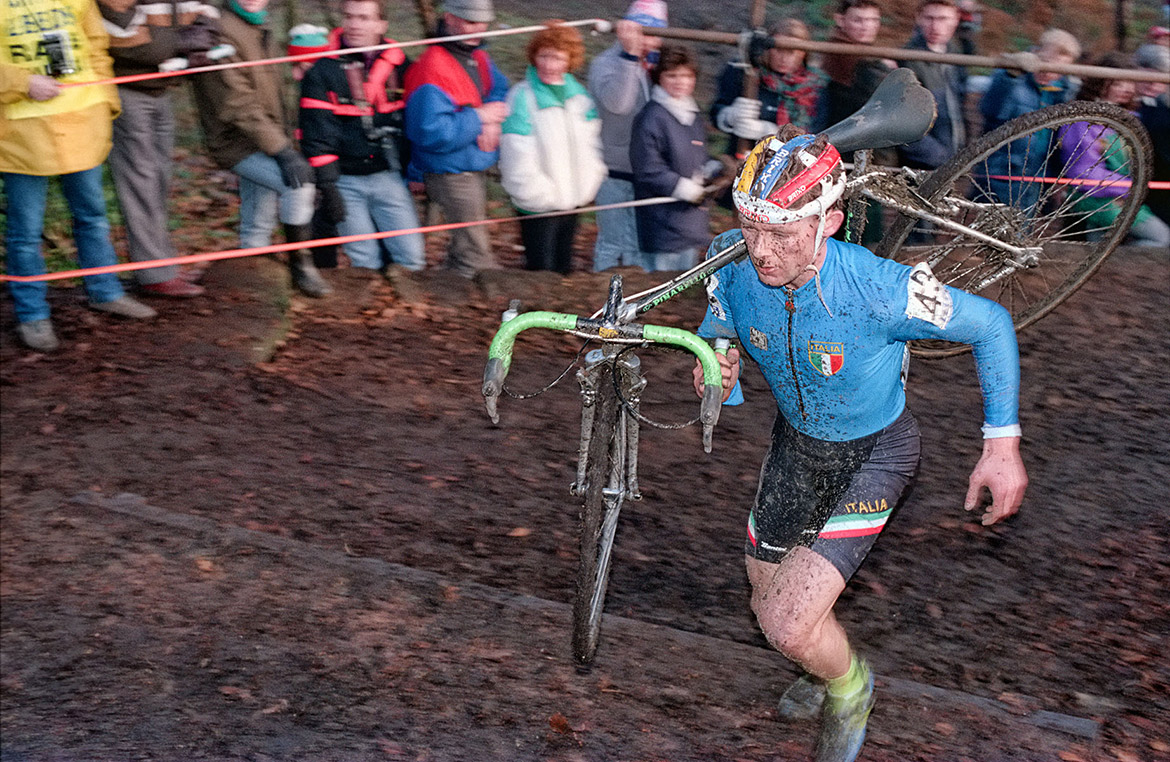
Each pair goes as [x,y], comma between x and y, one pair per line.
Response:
[125,306]
[38,335]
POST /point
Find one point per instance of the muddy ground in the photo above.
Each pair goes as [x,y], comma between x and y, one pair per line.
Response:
[266,528]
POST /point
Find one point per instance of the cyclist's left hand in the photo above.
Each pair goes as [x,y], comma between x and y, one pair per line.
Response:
[1001,470]
[728,364]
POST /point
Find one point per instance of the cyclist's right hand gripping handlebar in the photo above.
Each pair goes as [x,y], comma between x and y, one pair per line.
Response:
[500,356]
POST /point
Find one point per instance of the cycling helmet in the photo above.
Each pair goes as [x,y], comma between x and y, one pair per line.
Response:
[758,194]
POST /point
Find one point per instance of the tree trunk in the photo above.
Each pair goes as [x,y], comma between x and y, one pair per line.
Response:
[427,16]
[1119,25]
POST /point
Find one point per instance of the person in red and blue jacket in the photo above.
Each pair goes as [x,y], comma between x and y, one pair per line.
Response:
[454,111]
[352,135]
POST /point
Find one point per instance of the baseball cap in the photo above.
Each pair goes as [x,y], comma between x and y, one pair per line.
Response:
[650,13]
[475,11]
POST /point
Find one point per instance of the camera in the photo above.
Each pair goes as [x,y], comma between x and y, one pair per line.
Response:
[59,50]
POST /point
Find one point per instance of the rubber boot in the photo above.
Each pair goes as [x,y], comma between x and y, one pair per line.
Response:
[300,264]
[323,256]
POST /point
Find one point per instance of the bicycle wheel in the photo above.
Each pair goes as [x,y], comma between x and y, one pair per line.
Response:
[604,472]
[1034,205]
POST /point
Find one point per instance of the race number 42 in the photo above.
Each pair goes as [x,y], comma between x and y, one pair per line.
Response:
[926,298]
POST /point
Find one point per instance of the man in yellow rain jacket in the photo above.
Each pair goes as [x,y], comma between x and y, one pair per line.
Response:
[49,130]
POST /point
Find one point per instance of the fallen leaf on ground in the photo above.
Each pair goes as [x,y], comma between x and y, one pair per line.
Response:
[231,691]
[560,723]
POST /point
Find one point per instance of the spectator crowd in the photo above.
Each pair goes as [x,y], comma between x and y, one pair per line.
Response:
[376,133]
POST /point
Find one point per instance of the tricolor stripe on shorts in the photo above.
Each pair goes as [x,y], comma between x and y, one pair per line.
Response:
[854,525]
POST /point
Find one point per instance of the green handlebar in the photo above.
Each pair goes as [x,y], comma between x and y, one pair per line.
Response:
[712,375]
[500,353]
[501,348]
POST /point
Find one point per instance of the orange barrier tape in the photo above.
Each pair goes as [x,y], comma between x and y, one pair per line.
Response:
[320,54]
[1153,185]
[335,241]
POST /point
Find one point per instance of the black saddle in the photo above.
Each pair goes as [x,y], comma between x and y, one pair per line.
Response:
[900,111]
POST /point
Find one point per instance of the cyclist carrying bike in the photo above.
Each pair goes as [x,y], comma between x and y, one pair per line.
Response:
[827,323]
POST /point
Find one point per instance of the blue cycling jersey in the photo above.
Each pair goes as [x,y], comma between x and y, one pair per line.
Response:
[841,376]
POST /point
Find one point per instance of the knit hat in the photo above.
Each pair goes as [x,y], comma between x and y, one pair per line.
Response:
[475,11]
[307,38]
[648,13]
[1153,56]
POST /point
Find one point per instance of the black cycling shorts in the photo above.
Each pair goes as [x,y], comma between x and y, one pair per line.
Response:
[832,497]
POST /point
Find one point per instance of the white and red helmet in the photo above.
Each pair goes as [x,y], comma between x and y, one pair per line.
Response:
[758,194]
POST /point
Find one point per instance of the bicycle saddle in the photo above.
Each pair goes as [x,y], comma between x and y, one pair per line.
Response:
[900,111]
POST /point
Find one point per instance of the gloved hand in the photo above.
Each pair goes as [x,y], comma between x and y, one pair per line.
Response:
[332,204]
[294,170]
[1023,61]
[198,37]
[689,189]
[197,59]
[746,122]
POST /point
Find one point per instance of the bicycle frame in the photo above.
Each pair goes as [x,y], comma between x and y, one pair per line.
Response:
[611,387]
[866,182]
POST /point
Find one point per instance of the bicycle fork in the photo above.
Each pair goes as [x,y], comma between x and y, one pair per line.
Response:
[631,383]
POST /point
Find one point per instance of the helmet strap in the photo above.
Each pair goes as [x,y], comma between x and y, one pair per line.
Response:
[816,251]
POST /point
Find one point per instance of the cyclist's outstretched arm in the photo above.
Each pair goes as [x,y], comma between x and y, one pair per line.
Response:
[936,311]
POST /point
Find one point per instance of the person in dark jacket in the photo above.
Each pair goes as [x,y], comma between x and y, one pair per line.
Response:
[143,35]
[852,80]
[669,157]
[1014,92]
[935,28]
[1153,102]
[302,39]
[351,131]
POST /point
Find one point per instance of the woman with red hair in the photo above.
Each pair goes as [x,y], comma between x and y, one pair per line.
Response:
[550,151]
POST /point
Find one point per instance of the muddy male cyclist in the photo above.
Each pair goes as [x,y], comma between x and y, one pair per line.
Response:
[827,323]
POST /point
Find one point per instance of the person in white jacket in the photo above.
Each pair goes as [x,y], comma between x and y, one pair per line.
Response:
[550,150]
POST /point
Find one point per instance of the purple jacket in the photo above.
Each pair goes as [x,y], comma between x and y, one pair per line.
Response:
[1083,146]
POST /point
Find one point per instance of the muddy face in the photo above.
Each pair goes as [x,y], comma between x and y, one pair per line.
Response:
[780,253]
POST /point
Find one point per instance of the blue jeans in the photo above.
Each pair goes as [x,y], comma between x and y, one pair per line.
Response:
[617,231]
[1150,232]
[675,260]
[91,233]
[379,203]
[264,197]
